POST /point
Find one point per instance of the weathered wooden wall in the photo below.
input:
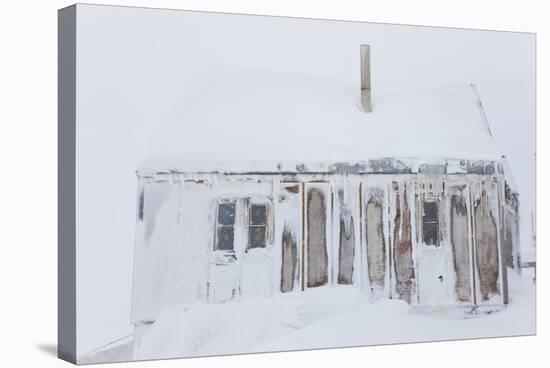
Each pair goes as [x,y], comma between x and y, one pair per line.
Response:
[355,230]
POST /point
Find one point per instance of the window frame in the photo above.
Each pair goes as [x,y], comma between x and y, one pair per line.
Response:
[436,221]
[251,226]
[220,226]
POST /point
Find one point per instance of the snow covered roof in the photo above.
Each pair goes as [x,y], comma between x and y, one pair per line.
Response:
[251,115]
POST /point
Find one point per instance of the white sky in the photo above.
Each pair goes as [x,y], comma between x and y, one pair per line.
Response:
[131,79]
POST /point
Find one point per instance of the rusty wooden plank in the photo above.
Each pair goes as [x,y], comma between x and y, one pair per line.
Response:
[501,229]
[390,250]
[289,260]
[376,247]
[346,252]
[302,256]
[486,247]
[473,244]
[332,263]
[459,242]
[361,221]
[404,267]
[317,256]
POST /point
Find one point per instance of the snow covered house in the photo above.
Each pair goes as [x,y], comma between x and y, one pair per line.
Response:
[291,182]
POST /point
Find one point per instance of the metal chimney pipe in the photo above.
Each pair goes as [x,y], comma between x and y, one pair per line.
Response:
[365,78]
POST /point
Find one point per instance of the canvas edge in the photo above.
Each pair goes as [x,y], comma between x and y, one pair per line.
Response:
[66,251]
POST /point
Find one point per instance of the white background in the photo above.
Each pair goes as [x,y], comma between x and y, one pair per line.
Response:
[28,144]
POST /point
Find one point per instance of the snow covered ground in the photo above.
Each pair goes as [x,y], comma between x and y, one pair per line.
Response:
[318,318]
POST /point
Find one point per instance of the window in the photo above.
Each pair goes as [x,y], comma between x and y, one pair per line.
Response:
[257,226]
[226,226]
[430,223]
